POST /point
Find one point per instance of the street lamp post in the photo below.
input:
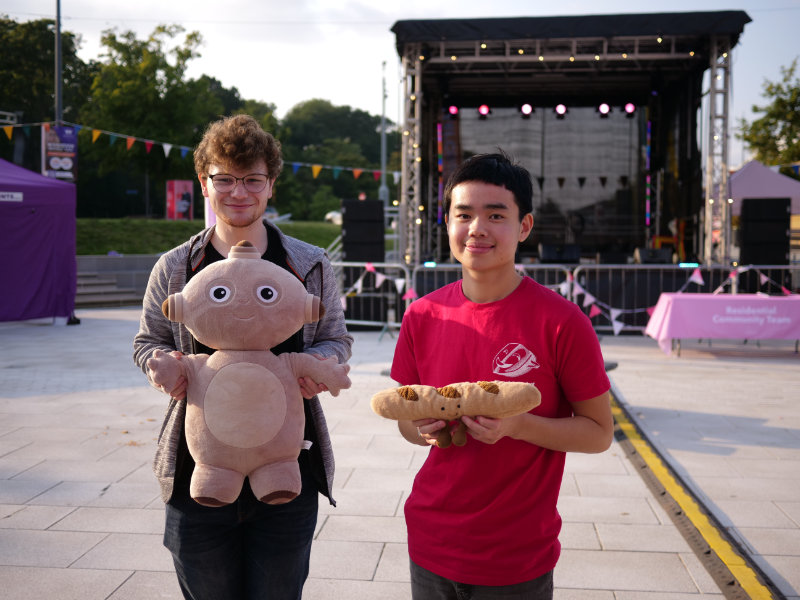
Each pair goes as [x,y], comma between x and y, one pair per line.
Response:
[59,107]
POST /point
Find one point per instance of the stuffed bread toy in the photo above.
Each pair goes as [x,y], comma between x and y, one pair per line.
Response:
[493,399]
[244,414]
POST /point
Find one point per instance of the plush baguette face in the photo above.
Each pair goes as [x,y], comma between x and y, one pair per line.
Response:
[494,399]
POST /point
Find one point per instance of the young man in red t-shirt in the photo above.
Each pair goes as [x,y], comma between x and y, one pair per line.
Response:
[484,515]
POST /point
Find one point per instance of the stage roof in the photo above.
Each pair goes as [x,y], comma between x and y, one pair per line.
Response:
[567,57]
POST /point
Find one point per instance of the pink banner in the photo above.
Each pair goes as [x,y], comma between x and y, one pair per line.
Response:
[725,316]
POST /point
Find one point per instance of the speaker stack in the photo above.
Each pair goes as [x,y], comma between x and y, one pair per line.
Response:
[764,231]
[362,231]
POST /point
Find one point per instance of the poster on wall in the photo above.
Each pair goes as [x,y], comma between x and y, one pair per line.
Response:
[60,152]
[180,199]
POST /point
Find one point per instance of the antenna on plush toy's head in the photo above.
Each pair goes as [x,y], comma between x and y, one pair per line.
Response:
[244,249]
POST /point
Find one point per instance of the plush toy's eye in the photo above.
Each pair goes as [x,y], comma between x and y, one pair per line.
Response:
[267,294]
[219,293]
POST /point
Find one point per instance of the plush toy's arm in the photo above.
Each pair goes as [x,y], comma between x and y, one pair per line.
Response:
[495,399]
[327,371]
[164,371]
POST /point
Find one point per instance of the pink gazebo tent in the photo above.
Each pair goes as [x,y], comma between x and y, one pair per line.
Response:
[754,180]
[38,272]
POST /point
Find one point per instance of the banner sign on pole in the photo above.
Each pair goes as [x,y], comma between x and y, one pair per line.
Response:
[180,199]
[60,152]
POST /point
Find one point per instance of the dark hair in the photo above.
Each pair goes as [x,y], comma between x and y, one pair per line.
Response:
[237,141]
[498,169]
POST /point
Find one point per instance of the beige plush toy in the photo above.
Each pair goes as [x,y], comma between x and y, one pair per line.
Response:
[244,415]
[493,399]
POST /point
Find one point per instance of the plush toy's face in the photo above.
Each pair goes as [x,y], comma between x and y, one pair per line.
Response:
[242,303]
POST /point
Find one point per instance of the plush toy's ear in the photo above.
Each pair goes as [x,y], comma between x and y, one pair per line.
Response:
[314,309]
[173,308]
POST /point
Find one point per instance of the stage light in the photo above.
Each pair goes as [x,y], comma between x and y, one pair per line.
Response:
[483,111]
[604,109]
[630,109]
[453,110]
[526,110]
[560,110]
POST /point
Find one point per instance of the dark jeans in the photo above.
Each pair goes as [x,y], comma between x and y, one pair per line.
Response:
[247,550]
[429,586]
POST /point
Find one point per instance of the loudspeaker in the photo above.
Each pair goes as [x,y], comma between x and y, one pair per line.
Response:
[362,231]
[764,231]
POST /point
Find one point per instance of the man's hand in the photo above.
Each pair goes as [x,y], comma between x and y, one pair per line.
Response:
[176,390]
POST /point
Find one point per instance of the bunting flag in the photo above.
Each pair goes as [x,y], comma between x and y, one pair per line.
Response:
[697,277]
[618,326]
[561,181]
[411,294]
[336,172]
[603,181]
[399,284]
[148,145]
[594,311]
[581,181]
[588,299]
[379,279]
[295,167]
[370,268]
[167,148]
[130,141]
[376,175]
[315,170]
[112,138]
[9,129]
[95,134]
[357,173]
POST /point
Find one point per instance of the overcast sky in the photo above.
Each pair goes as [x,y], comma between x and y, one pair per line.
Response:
[290,51]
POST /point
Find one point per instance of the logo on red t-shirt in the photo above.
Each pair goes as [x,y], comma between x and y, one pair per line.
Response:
[514,360]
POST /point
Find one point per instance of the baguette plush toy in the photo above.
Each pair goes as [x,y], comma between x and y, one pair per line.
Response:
[493,399]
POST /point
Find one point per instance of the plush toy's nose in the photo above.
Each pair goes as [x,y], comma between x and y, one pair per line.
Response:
[173,308]
[313,309]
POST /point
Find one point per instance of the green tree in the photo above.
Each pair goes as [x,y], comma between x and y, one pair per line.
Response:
[775,137]
[140,90]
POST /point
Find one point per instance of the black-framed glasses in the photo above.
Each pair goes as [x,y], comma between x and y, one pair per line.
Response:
[253,183]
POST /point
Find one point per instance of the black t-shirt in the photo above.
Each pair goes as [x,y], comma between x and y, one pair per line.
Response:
[308,460]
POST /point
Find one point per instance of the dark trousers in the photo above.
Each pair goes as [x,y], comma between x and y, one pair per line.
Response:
[247,550]
[426,585]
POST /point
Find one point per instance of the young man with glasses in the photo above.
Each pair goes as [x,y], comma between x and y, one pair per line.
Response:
[248,549]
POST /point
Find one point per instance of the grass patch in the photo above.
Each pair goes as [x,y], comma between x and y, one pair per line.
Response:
[153,236]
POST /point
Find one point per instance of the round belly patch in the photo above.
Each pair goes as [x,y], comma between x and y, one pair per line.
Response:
[245,405]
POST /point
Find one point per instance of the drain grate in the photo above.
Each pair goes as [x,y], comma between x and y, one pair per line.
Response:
[730,567]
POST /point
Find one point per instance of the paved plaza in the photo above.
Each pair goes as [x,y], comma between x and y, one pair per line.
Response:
[81,518]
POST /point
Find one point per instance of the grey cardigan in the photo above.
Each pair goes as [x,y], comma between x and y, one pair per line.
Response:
[327,337]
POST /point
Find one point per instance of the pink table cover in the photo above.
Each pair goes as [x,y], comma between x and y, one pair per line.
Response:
[729,316]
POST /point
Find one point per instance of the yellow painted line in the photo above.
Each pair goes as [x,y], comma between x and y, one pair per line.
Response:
[738,567]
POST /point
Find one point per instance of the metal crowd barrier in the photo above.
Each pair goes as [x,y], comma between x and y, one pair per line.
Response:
[615,297]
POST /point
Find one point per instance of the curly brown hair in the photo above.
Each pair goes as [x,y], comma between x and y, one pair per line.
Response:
[237,141]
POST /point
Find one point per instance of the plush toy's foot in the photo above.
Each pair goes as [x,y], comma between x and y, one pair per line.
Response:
[277,483]
[215,486]
[460,434]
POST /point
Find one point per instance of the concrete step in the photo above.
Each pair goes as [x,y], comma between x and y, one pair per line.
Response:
[98,290]
[123,298]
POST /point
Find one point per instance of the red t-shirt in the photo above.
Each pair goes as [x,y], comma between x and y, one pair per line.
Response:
[485,514]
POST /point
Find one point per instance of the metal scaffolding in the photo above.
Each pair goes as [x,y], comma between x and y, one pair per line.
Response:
[717,213]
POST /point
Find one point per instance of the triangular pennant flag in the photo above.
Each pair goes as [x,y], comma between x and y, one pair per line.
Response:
[594,311]
[358,286]
[563,288]
[370,267]
[540,181]
[763,278]
[315,169]
[697,277]
[184,151]
[167,148]
[9,129]
[615,312]
[95,134]
[396,177]
[336,171]
[46,126]
[733,274]
[77,128]
[111,139]
[410,294]
[399,283]
[26,129]
[561,181]
[357,173]
[376,175]
[603,181]
[651,310]
[581,181]
[785,291]
[577,289]
[743,269]
[379,279]
[295,166]
[148,145]
[617,325]
[623,180]
[130,141]
[588,299]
